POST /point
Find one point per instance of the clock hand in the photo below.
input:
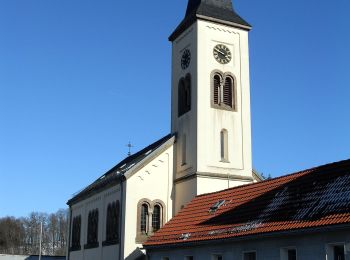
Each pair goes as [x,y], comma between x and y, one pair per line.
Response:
[220,52]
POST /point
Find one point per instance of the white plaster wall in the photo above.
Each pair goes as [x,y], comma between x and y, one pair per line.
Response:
[154,181]
[203,124]
[308,246]
[208,185]
[211,121]
[99,201]
[187,123]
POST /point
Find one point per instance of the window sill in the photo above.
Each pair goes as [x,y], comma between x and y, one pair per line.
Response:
[91,246]
[223,107]
[110,242]
[75,248]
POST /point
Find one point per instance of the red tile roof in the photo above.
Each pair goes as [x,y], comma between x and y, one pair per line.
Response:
[312,198]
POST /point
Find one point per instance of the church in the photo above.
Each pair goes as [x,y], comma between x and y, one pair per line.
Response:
[208,150]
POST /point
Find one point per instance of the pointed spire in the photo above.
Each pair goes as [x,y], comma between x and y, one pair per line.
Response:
[219,11]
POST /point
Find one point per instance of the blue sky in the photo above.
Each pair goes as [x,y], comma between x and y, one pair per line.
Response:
[79,79]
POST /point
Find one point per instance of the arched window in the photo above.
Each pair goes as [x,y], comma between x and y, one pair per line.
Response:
[112,223]
[184,95]
[92,234]
[228,92]
[76,231]
[216,90]
[151,217]
[224,145]
[144,218]
[223,91]
[156,218]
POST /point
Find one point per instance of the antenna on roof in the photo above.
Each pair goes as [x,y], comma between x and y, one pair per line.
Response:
[129,145]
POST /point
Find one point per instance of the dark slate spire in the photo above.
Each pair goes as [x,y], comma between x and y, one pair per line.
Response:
[219,11]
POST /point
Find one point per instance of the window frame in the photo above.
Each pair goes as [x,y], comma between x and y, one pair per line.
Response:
[184,95]
[284,252]
[92,229]
[250,251]
[76,234]
[224,147]
[112,223]
[330,249]
[221,104]
[143,236]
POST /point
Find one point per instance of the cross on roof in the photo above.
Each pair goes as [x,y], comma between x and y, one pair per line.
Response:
[129,145]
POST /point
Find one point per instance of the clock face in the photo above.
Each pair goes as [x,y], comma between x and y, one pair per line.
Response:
[222,54]
[185,59]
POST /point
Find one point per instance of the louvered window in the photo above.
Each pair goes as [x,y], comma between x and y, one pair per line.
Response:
[156,218]
[223,91]
[227,92]
[217,91]
[144,218]
[184,95]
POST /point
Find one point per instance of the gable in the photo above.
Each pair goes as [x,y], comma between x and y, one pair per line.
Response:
[124,169]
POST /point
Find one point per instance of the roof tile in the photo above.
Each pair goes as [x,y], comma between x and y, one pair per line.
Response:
[312,198]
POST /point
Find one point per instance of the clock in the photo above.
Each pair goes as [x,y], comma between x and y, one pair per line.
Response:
[185,59]
[222,54]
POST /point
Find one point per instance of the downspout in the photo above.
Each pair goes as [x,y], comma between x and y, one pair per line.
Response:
[121,238]
[69,233]
[168,191]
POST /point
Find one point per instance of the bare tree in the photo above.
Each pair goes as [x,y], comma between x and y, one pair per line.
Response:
[22,235]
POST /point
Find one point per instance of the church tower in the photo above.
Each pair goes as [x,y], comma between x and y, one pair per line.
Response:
[210,100]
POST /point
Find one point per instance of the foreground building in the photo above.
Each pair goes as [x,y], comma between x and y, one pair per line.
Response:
[304,216]
[209,148]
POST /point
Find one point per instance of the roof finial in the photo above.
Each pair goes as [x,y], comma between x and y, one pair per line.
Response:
[129,145]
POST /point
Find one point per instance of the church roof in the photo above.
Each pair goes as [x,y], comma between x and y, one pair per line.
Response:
[118,172]
[308,200]
[219,11]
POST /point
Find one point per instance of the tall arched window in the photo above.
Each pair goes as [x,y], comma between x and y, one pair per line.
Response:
[156,218]
[228,92]
[184,95]
[76,231]
[112,223]
[224,145]
[92,234]
[151,217]
[223,91]
[216,90]
[144,218]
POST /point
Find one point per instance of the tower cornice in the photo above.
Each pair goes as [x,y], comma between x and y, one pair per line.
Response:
[218,11]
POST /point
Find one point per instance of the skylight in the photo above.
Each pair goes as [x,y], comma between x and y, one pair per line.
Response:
[216,206]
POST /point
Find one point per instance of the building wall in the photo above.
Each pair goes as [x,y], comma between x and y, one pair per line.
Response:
[99,201]
[153,182]
[309,247]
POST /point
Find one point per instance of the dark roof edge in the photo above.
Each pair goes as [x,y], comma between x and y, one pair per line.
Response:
[150,157]
[84,194]
[187,22]
[311,230]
